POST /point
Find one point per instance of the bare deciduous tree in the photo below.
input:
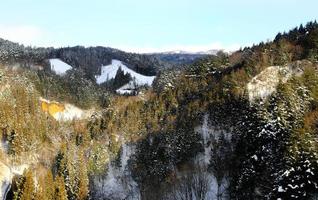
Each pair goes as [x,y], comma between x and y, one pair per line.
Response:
[193,185]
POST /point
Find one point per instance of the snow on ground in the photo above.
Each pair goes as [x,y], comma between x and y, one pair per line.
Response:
[19,169]
[6,175]
[58,66]
[265,83]
[5,179]
[109,72]
[129,88]
[70,112]
[64,112]
[119,183]
[209,133]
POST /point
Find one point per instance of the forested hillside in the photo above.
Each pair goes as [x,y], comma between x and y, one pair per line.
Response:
[228,126]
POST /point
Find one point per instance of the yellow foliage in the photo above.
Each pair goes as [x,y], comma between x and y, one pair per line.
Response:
[52,107]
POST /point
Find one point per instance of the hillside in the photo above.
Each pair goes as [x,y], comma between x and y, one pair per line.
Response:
[227,126]
[180,57]
[88,59]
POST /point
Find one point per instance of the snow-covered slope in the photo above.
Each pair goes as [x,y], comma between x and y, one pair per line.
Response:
[109,72]
[72,112]
[58,66]
[119,183]
[64,112]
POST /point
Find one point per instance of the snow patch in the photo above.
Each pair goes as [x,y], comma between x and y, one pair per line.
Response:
[129,88]
[6,175]
[280,189]
[255,157]
[118,184]
[68,112]
[208,134]
[109,72]
[58,66]
[5,179]
[19,169]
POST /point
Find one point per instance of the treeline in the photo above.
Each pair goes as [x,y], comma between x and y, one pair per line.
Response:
[88,59]
[73,88]
[91,59]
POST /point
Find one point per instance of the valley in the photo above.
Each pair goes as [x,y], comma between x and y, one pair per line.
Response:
[100,123]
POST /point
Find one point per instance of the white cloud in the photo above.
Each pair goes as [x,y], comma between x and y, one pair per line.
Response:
[24,34]
[188,48]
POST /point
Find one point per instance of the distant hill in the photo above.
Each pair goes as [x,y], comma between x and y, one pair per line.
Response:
[182,57]
[88,59]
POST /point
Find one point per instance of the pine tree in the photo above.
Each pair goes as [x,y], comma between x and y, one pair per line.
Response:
[121,78]
[60,191]
[220,162]
[39,195]
[25,187]
[82,193]
[46,187]
[299,179]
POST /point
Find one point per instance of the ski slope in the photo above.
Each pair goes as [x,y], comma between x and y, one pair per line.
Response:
[109,72]
[58,66]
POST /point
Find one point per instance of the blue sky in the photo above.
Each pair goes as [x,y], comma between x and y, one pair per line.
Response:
[151,25]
